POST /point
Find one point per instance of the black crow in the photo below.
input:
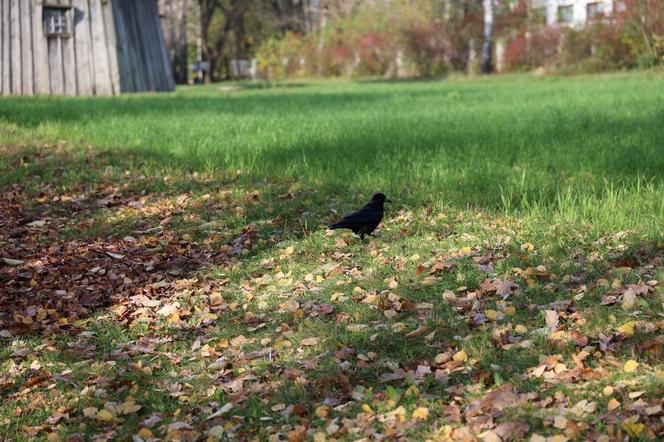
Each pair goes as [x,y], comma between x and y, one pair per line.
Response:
[365,220]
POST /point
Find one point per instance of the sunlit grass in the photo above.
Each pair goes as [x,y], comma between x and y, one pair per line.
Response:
[566,173]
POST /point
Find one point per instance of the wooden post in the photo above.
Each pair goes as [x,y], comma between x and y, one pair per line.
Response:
[39,55]
[102,74]
[112,49]
[27,53]
[82,49]
[15,63]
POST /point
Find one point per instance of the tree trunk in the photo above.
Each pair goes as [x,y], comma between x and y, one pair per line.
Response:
[181,71]
[487,46]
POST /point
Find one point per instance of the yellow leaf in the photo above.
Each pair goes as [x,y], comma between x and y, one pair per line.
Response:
[634,428]
[421,413]
[521,329]
[510,311]
[322,411]
[627,328]
[366,408]
[631,366]
[613,404]
[129,407]
[105,415]
[527,247]
[320,437]
[460,356]
[53,437]
[608,391]
[145,433]
[491,315]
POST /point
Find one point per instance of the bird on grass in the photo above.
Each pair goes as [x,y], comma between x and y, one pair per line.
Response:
[364,221]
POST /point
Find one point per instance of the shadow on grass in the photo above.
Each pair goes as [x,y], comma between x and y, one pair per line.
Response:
[107,235]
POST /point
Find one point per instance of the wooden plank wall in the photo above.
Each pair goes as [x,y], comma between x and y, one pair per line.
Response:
[143,62]
[115,46]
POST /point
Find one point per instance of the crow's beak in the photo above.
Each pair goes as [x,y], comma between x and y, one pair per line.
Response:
[387,200]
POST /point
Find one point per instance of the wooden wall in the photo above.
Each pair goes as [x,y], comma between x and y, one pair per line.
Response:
[115,46]
[142,56]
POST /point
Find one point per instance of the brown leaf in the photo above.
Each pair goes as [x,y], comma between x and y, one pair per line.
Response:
[309,341]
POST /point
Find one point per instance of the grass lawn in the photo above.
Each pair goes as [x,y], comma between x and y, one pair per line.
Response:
[165,271]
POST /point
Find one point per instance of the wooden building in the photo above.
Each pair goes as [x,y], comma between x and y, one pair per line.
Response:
[82,47]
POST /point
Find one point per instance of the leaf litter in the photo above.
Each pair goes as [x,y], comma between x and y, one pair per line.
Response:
[251,338]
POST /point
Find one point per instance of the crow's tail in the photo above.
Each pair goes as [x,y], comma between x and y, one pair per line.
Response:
[339,225]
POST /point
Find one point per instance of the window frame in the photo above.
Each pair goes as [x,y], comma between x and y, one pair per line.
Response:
[51,11]
[560,15]
[598,13]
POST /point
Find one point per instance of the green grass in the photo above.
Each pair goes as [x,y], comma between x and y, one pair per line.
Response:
[566,173]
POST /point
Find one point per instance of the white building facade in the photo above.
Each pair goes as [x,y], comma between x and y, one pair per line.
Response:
[571,12]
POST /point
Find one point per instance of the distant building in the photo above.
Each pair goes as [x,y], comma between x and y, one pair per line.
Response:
[570,12]
[82,47]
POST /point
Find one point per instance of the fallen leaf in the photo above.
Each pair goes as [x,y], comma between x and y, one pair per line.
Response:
[490,436]
[634,428]
[631,366]
[145,433]
[429,281]
[421,413]
[90,412]
[612,404]
[129,407]
[627,328]
[12,262]
[37,223]
[322,411]
[560,422]
[628,299]
[309,341]
[225,409]
[105,415]
[460,356]
[418,331]
[278,407]
[551,317]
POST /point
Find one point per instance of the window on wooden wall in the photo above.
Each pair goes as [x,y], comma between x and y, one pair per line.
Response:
[57,22]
